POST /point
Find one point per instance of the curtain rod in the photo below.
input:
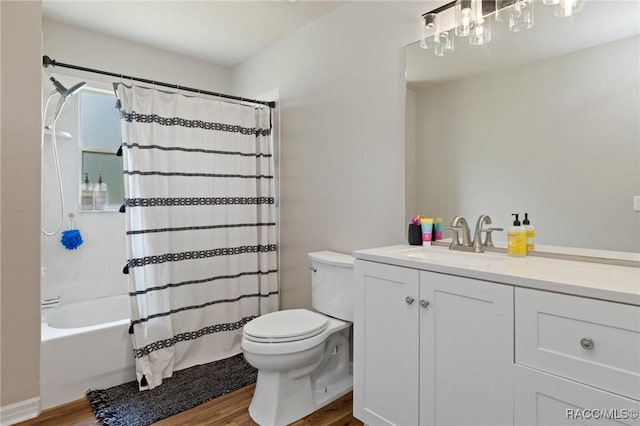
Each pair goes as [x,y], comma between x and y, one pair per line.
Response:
[47,61]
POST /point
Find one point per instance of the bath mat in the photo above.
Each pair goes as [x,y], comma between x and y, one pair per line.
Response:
[124,405]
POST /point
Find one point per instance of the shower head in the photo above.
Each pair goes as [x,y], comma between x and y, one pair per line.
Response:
[64,92]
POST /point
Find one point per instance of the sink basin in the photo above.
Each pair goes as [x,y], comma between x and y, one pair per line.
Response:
[451,257]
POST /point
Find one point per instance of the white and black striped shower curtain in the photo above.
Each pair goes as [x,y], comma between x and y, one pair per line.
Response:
[201,226]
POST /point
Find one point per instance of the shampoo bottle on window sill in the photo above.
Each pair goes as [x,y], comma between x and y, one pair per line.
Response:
[517,243]
[86,194]
[100,194]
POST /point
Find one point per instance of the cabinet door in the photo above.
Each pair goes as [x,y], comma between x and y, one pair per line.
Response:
[385,353]
[466,351]
[543,399]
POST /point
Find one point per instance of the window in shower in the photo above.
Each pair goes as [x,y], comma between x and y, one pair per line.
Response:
[99,126]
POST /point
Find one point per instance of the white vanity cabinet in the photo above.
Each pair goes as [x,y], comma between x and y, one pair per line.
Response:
[431,348]
[575,358]
[455,338]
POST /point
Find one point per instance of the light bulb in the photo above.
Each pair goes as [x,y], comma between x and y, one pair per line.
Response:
[445,43]
[427,31]
[463,17]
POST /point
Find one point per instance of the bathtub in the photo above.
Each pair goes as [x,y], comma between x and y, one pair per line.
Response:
[85,345]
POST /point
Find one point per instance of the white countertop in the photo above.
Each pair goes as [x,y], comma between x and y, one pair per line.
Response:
[594,280]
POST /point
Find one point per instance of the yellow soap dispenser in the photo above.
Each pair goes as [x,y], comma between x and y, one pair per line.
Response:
[531,233]
[517,244]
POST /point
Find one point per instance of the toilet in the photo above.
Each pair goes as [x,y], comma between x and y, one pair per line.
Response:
[302,356]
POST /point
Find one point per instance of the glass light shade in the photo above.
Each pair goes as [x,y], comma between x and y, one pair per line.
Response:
[480,30]
[503,10]
[428,31]
[445,43]
[568,8]
[463,17]
[521,16]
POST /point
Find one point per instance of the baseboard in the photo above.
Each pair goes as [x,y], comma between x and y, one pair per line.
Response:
[19,411]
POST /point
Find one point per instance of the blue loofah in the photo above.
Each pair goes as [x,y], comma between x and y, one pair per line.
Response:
[71,239]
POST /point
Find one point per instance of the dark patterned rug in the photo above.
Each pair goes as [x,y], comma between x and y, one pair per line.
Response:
[125,405]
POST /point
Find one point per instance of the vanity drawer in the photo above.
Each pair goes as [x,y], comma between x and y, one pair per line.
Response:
[590,341]
[542,399]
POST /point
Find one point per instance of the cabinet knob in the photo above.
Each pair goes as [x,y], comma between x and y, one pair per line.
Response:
[587,343]
[409,300]
[424,303]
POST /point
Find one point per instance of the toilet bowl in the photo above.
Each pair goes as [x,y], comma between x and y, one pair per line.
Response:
[302,356]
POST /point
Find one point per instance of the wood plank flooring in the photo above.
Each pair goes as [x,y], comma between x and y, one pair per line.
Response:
[230,409]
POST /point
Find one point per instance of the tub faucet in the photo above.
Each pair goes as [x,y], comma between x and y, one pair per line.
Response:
[50,303]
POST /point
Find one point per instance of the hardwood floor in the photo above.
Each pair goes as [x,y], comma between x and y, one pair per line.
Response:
[230,409]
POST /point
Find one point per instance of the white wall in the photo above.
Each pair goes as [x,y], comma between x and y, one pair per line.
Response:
[558,138]
[95,269]
[20,200]
[342,91]
[75,46]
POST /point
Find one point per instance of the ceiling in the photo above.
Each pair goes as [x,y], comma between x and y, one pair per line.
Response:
[219,32]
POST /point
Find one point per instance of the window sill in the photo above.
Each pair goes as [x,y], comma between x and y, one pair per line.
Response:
[110,209]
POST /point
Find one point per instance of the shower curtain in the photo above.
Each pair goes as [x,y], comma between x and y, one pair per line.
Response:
[201,226]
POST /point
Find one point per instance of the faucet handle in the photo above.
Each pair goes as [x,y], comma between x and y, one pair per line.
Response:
[488,241]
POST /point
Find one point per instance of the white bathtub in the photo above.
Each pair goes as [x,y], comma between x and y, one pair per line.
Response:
[85,345]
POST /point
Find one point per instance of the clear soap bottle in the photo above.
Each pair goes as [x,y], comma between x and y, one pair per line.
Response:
[100,194]
[86,194]
[517,239]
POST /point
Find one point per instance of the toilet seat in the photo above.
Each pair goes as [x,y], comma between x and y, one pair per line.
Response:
[285,326]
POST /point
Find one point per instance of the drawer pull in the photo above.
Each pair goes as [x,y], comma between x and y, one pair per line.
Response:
[409,300]
[587,343]
[424,303]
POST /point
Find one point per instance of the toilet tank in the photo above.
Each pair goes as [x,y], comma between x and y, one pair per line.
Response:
[332,284]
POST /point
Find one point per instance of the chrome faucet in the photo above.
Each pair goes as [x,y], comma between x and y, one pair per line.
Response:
[460,223]
[460,226]
[478,245]
[484,219]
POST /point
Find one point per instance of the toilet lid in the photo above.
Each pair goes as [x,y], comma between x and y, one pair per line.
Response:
[285,326]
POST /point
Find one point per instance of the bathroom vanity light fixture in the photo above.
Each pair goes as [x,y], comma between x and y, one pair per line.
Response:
[434,36]
[428,39]
[473,19]
[518,14]
[567,8]
[480,27]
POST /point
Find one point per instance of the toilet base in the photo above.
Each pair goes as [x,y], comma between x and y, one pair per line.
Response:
[284,396]
[296,397]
